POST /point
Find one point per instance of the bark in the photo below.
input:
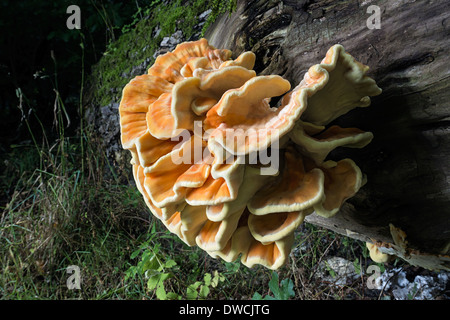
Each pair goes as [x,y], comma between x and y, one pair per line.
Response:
[407,164]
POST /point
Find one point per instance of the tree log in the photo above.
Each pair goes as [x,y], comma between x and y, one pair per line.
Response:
[405,206]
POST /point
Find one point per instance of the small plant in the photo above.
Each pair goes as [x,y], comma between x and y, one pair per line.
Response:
[232,267]
[330,270]
[158,271]
[153,267]
[281,291]
[201,289]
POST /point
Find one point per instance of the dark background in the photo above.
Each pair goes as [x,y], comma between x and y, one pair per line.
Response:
[44,59]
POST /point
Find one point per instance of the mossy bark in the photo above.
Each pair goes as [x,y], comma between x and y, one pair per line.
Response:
[407,164]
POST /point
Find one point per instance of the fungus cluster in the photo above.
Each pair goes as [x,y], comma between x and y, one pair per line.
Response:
[226,171]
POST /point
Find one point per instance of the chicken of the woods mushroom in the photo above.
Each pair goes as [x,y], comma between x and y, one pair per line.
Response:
[223,169]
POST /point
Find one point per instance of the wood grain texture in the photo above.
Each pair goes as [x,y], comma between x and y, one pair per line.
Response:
[407,164]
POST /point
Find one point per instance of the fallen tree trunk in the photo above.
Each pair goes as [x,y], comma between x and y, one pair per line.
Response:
[405,206]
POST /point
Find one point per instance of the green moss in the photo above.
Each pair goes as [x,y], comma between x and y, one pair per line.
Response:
[138,42]
[130,50]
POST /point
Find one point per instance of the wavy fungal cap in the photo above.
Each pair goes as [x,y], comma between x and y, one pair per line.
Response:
[201,133]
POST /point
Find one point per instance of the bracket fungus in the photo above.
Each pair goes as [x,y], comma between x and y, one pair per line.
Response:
[223,169]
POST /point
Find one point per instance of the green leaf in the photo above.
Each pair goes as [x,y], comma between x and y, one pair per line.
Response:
[273,284]
[157,282]
[130,273]
[152,263]
[281,291]
[196,284]
[191,295]
[135,253]
[207,279]
[287,289]
[204,291]
[232,267]
[330,270]
[191,291]
[161,292]
[217,278]
[173,296]
[257,296]
[170,263]
[153,281]
[165,276]
[357,266]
